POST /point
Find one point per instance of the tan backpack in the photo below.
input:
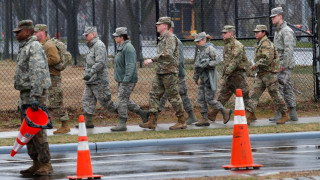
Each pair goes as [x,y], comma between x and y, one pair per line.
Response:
[65,56]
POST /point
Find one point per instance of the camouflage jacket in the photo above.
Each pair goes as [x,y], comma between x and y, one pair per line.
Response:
[182,72]
[166,60]
[96,62]
[234,56]
[266,57]
[32,71]
[285,41]
[52,55]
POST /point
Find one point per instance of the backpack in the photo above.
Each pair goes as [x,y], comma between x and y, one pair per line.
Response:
[65,56]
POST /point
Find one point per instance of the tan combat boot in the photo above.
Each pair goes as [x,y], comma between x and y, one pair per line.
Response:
[226,115]
[44,170]
[284,118]
[65,128]
[204,121]
[250,116]
[32,169]
[181,124]
[151,124]
[213,114]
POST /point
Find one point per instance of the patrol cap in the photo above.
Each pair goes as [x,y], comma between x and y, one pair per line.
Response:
[24,24]
[40,27]
[228,28]
[260,27]
[201,36]
[164,20]
[276,11]
[89,29]
[120,31]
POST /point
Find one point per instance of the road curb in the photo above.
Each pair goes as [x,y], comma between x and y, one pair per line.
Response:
[100,146]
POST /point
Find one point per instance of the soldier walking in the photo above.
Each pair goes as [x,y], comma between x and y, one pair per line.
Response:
[183,90]
[32,79]
[166,77]
[267,67]
[285,41]
[55,91]
[205,64]
[125,73]
[95,77]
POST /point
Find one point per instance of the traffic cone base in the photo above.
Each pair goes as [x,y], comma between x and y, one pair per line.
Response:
[84,168]
[241,155]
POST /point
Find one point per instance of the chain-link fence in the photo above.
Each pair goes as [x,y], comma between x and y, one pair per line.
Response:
[66,20]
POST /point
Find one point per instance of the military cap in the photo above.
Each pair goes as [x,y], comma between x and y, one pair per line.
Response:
[90,29]
[228,28]
[24,24]
[164,20]
[260,27]
[120,31]
[201,36]
[40,27]
[276,11]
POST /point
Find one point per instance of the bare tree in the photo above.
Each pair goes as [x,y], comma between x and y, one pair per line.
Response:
[105,21]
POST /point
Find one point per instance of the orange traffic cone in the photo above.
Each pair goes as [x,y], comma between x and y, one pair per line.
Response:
[241,155]
[32,123]
[84,168]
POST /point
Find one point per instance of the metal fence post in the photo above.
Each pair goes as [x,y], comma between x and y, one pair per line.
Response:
[270,20]
[57,20]
[115,23]
[168,8]
[236,17]
[11,25]
[93,13]
[140,34]
[201,12]
[157,17]
[75,32]
[316,60]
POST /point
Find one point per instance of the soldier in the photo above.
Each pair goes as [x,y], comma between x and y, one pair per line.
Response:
[205,64]
[285,41]
[55,91]
[32,79]
[183,90]
[166,77]
[95,77]
[267,67]
[234,70]
[125,73]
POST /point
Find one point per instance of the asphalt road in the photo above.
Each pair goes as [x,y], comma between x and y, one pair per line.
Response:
[176,161]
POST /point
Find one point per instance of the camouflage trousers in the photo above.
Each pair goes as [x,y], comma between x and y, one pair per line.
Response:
[206,96]
[56,98]
[165,83]
[123,101]
[286,87]
[267,81]
[38,146]
[231,84]
[183,91]
[97,92]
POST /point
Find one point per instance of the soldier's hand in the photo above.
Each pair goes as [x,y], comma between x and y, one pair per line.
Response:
[147,62]
[86,77]
[34,105]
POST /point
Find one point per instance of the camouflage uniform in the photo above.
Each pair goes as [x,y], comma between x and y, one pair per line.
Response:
[234,71]
[284,41]
[183,90]
[267,63]
[96,88]
[32,79]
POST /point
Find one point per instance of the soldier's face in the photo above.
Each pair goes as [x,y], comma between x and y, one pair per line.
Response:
[90,36]
[118,39]
[276,19]
[202,42]
[227,35]
[23,34]
[161,27]
[41,35]
[259,35]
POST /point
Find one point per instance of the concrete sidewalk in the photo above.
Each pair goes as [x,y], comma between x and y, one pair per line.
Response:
[164,127]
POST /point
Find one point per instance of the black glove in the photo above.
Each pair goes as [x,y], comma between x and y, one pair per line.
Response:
[34,105]
[86,77]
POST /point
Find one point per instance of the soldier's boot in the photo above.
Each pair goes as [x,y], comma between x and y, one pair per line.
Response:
[191,117]
[44,170]
[65,128]
[284,118]
[226,113]
[250,116]
[88,120]
[181,124]
[212,115]
[32,169]
[121,126]
[144,115]
[276,116]
[204,121]
[293,114]
[151,124]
